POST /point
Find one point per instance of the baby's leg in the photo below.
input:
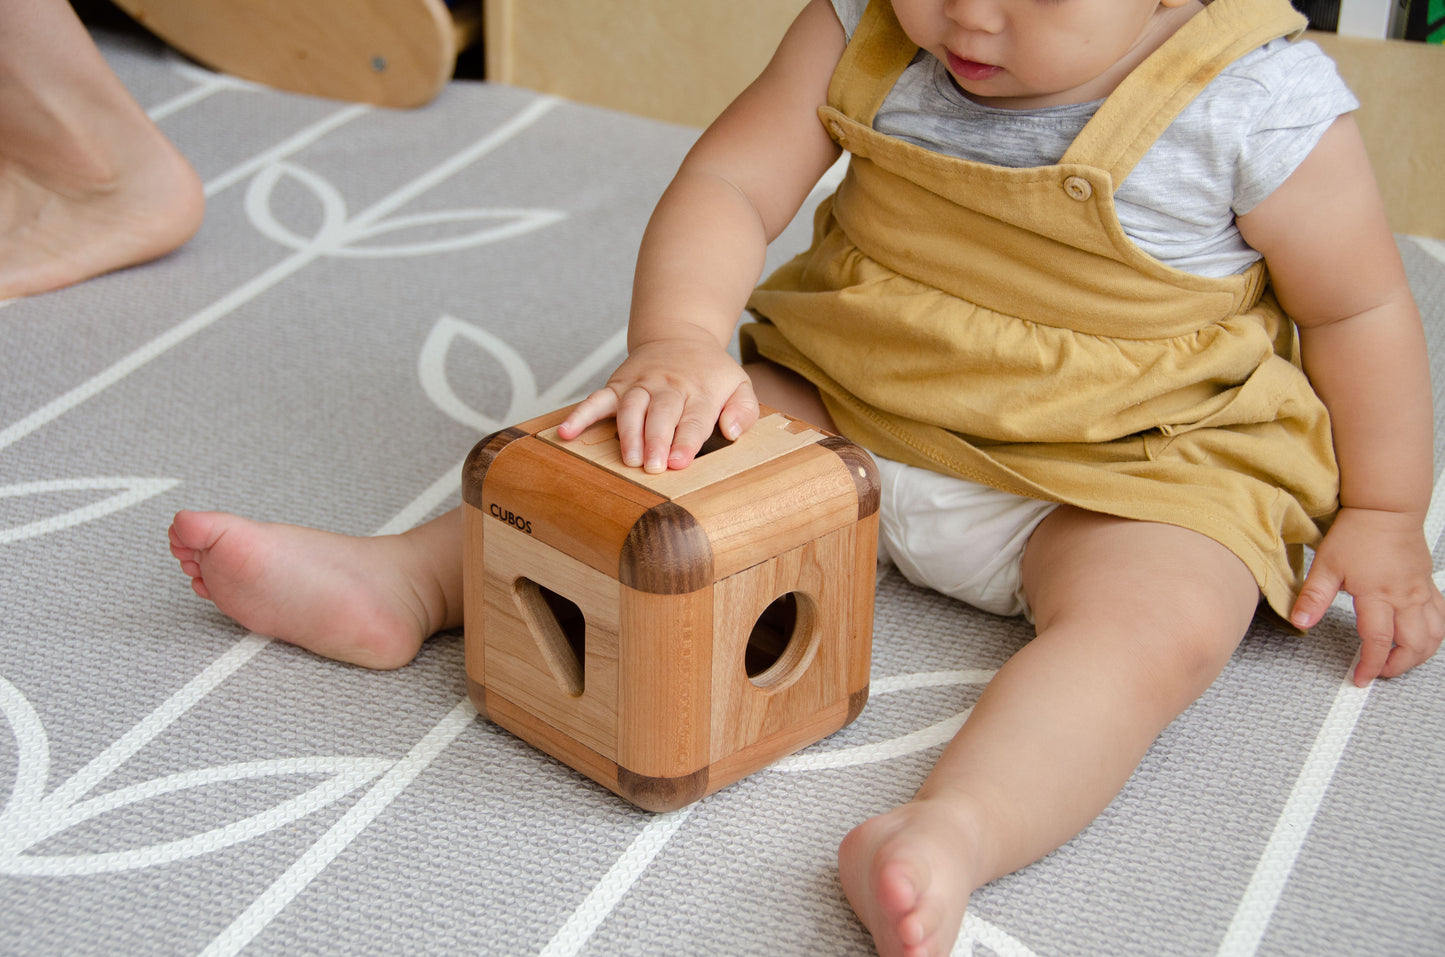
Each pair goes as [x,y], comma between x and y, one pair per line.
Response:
[1135,621]
[788,392]
[87,182]
[369,601]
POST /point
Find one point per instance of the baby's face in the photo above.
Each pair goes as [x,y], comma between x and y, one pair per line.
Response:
[1031,53]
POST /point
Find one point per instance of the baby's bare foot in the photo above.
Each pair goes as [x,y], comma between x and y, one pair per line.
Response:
[907,875]
[362,600]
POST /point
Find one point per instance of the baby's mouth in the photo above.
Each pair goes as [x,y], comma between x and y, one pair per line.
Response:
[971,71]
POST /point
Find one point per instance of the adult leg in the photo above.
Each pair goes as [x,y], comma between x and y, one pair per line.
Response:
[87,182]
[1134,621]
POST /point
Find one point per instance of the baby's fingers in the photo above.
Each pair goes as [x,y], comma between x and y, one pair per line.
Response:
[740,411]
[596,407]
[1418,633]
[1375,621]
[645,424]
[1321,586]
[1395,639]
[693,430]
[701,418]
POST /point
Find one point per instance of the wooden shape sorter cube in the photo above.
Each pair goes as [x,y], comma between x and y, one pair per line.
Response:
[669,634]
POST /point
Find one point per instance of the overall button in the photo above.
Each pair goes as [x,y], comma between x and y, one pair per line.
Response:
[1078,188]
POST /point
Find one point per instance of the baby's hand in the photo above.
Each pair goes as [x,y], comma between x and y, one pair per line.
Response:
[667,397]
[1382,560]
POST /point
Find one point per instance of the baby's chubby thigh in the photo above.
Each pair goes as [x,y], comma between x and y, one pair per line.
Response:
[957,537]
[786,391]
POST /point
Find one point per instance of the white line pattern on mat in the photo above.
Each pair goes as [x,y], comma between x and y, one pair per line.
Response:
[821,759]
[209,84]
[31,816]
[976,930]
[292,144]
[1434,247]
[125,492]
[265,908]
[1272,872]
[1257,907]
[206,86]
[614,885]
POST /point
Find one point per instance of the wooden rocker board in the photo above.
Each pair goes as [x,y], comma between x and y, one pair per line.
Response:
[394,53]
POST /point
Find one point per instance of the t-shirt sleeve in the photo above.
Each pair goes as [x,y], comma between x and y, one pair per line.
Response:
[850,14]
[1294,94]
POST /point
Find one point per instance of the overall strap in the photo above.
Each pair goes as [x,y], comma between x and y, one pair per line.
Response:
[877,54]
[1159,89]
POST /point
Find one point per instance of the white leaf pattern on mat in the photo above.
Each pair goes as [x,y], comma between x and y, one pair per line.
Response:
[126,492]
[339,235]
[821,758]
[330,233]
[976,930]
[30,817]
[501,224]
[431,363]
[524,399]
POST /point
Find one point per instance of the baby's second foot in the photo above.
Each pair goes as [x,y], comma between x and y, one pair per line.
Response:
[907,875]
[340,596]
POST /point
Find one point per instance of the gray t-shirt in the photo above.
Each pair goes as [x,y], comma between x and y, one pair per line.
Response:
[1237,142]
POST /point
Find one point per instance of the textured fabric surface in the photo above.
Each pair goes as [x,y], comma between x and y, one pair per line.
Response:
[371,292]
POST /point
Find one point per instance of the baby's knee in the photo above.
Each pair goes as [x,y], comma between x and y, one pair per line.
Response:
[1196,639]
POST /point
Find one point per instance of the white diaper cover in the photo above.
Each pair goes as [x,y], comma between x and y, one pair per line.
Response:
[955,536]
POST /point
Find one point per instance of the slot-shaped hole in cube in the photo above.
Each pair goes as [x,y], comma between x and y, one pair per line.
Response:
[781,642]
[557,625]
[714,442]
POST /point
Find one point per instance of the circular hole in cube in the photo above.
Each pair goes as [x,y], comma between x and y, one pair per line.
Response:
[781,641]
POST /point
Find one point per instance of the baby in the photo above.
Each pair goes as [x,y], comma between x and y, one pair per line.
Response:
[1109,293]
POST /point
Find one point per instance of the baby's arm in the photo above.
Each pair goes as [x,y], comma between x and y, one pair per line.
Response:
[704,250]
[1338,274]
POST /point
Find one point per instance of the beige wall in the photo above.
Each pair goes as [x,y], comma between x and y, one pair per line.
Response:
[1401,87]
[669,59]
[683,62]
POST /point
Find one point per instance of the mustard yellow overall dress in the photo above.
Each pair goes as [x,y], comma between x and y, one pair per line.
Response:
[997,323]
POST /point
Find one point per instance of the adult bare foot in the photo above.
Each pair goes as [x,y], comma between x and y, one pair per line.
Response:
[368,601]
[57,229]
[88,184]
[906,874]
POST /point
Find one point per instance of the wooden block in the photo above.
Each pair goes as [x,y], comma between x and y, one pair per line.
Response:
[668,634]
